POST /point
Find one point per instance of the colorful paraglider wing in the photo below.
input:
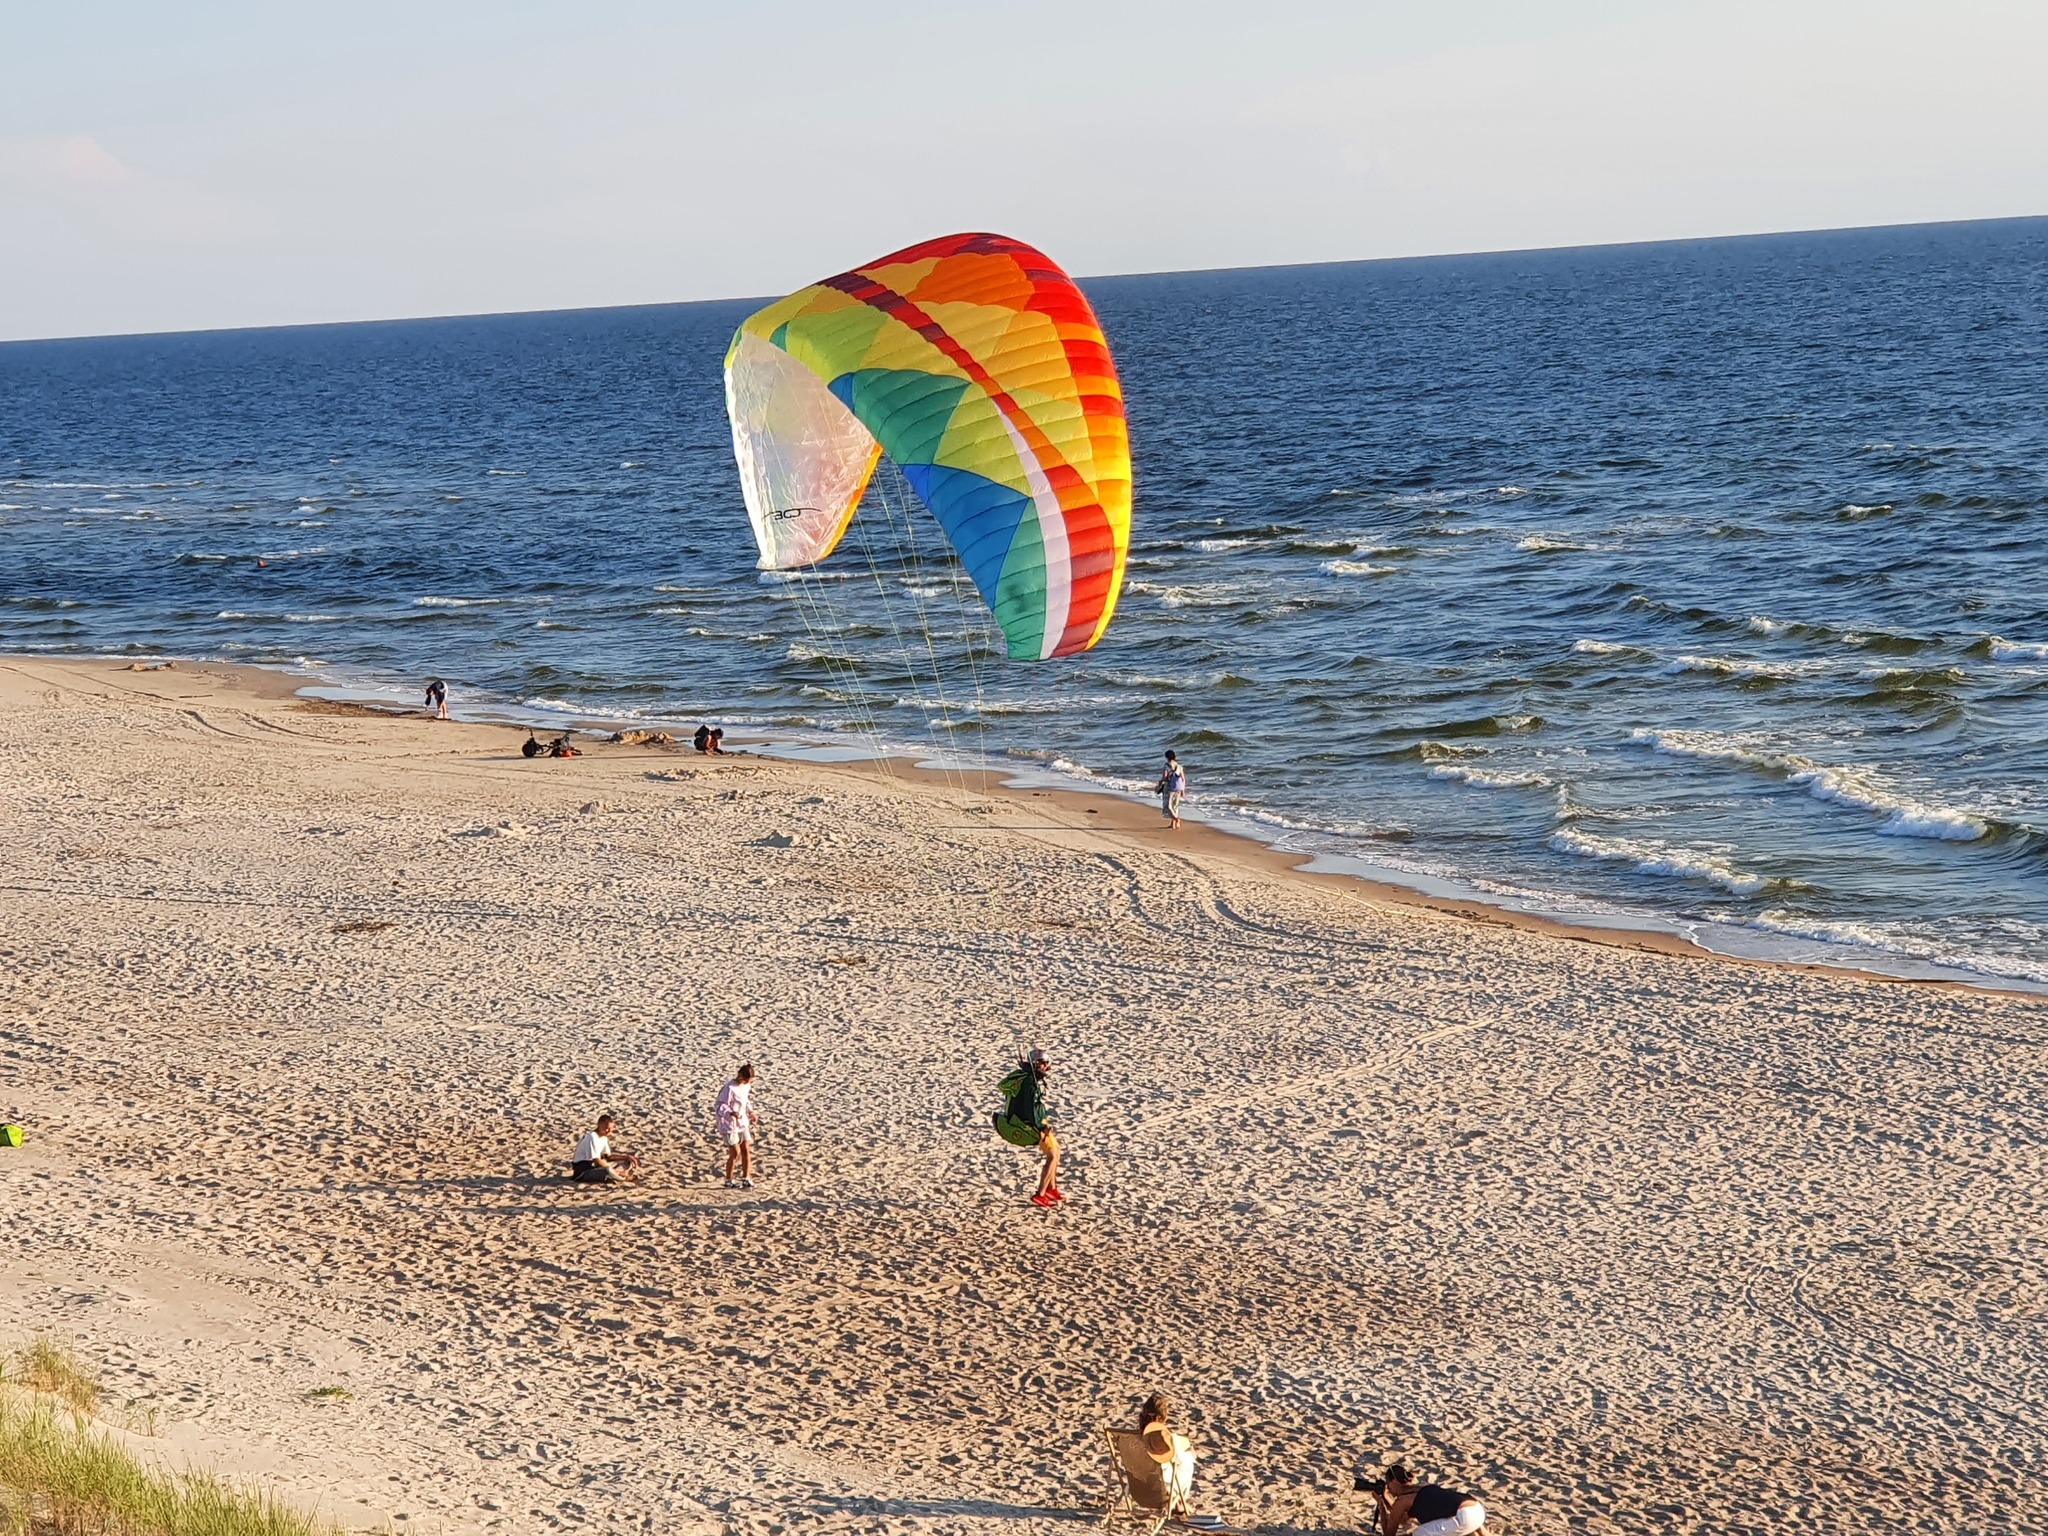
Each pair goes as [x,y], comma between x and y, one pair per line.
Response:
[976,364]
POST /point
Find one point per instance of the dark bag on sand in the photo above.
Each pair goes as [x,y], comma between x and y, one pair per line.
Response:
[1016,1121]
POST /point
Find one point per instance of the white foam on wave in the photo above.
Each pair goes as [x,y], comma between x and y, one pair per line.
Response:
[1795,925]
[807,573]
[1487,778]
[1742,666]
[798,651]
[1860,788]
[1186,597]
[1544,544]
[1759,625]
[1657,859]
[280,618]
[1605,648]
[2018,650]
[1222,546]
[1356,568]
[1903,817]
[456,602]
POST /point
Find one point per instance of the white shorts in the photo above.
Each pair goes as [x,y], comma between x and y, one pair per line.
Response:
[740,1136]
[1469,1518]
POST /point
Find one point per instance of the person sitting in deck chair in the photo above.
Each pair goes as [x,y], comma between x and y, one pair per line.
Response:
[1168,1447]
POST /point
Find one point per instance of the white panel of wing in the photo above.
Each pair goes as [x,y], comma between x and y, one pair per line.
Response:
[804,459]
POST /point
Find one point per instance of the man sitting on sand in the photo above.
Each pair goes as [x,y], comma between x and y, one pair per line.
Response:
[597,1163]
[1435,1510]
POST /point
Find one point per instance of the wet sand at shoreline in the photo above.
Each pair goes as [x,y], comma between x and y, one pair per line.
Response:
[302,1008]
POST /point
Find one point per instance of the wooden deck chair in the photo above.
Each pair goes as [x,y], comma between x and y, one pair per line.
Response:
[1137,1483]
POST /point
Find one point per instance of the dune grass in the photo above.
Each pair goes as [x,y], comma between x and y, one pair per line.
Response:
[61,1474]
[55,1370]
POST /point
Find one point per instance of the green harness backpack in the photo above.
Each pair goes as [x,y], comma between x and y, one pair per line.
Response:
[1016,1121]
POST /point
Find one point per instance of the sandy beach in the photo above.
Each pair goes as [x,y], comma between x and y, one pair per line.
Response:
[303,1007]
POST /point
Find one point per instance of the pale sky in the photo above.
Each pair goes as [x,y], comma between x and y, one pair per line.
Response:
[261,162]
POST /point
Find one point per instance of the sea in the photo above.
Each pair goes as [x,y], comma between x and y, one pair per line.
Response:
[1698,586]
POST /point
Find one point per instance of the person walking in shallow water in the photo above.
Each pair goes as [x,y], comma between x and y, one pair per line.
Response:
[1173,783]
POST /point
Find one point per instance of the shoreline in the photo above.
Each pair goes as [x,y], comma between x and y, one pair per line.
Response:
[1243,839]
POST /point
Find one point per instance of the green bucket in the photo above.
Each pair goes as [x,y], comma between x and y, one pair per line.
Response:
[10,1135]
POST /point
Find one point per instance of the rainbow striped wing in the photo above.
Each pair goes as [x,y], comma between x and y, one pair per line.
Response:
[976,364]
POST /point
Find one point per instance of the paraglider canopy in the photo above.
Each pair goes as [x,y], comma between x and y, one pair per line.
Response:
[977,365]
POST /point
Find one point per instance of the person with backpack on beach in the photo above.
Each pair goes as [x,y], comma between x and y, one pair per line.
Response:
[1025,1120]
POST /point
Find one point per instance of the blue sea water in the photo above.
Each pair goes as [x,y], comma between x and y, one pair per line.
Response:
[1702,582]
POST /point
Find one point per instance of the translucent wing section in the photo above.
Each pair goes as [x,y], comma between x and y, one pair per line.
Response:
[804,458]
[977,365]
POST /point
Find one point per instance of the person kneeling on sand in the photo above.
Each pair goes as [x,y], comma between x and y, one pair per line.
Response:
[596,1162]
[736,1122]
[1434,1509]
[1166,1446]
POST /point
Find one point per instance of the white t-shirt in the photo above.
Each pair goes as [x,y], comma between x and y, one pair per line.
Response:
[592,1148]
[734,1108]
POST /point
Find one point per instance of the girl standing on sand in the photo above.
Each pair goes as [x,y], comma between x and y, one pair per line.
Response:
[736,1122]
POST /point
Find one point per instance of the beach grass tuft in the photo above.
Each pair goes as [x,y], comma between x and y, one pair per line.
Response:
[62,1475]
[55,1370]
